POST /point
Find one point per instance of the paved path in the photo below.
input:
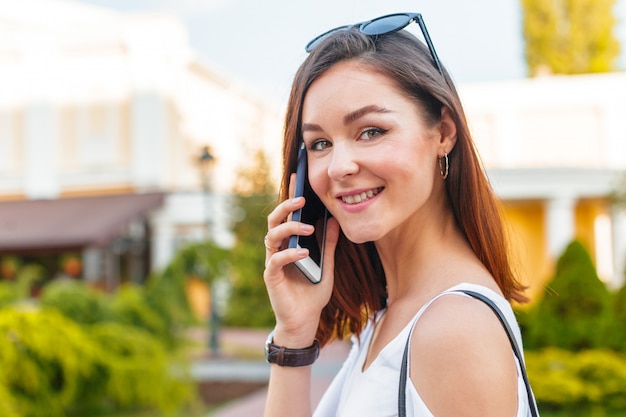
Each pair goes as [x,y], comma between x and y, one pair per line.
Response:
[252,405]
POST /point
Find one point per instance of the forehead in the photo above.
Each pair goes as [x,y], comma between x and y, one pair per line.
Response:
[349,82]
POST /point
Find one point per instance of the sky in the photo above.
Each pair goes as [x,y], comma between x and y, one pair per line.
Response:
[261,42]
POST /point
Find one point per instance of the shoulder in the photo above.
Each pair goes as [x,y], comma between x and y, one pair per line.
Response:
[461,357]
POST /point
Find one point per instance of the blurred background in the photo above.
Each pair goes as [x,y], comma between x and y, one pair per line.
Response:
[140,146]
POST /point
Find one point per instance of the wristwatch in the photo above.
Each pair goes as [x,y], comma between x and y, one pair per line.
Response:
[283,356]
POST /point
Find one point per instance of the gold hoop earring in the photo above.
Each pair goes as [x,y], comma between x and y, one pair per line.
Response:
[444,166]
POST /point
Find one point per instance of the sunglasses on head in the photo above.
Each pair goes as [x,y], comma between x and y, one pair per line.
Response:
[381,25]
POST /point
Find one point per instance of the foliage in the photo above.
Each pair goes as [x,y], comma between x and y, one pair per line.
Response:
[570,36]
[10,293]
[592,380]
[45,358]
[85,305]
[165,292]
[52,366]
[136,371]
[130,307]
[249,304]
[616,337]
[76,300]
[575,314]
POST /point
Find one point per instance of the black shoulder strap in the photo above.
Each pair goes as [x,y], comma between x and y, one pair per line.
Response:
[518,354]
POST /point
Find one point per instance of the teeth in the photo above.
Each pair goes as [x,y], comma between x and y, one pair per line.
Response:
[358,198]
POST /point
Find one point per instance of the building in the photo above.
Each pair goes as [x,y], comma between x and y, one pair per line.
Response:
[555,150]
[103,118]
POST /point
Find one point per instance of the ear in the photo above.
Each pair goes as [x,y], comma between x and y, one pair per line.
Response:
[447,128]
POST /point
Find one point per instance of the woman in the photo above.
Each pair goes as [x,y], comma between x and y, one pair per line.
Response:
[413,219]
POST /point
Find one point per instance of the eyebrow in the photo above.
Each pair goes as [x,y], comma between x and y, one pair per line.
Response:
[348,118]
[372,108]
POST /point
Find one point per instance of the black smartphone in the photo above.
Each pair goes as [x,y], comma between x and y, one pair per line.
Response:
[313,213]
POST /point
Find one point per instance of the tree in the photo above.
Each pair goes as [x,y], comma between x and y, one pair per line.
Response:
[575,313]
[255,197]
[569,36]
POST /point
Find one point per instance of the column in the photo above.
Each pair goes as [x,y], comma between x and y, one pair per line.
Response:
[618,223]
[560,224]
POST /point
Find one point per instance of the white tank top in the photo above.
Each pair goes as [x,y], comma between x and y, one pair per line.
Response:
[374,392]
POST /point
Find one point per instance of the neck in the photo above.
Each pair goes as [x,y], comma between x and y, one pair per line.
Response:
[422,257]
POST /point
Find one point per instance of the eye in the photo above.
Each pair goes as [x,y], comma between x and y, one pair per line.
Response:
[320,145]
[371,133]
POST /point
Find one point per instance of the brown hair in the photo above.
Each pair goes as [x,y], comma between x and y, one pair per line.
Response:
[360,284]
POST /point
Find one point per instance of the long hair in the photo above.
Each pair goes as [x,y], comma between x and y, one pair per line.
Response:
[360,284]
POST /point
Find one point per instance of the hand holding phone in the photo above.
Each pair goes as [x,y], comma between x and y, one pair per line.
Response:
[313,213]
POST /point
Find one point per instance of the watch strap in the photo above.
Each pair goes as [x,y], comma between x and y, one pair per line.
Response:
[283,356]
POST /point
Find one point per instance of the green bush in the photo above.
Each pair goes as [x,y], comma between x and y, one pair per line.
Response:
[136,371]
[616,338]
[76,300]
[10,293]
[45,359]
[53,367]
[130,306]
[574,313]
[587,380]
[249,304]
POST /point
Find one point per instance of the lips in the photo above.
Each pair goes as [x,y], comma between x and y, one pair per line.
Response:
[361,197]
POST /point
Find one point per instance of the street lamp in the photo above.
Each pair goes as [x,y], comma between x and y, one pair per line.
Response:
[206,161]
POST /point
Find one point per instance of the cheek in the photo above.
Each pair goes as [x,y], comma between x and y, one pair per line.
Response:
[318,179]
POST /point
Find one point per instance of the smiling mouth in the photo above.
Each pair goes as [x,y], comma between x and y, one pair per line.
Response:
[359,198]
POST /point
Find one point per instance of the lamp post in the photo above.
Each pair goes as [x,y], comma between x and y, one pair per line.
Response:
[206,161]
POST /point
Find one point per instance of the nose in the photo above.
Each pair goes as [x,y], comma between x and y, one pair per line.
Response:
[343,162]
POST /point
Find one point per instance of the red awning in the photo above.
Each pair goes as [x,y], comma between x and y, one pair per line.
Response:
[70,222]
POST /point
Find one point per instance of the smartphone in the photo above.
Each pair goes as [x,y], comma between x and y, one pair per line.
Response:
[313,213]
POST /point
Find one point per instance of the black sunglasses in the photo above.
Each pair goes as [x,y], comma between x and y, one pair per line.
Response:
[381,25]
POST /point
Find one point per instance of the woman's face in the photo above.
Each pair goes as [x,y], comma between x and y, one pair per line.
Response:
[372,160]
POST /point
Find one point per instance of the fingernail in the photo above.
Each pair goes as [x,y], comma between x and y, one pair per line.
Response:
[302,252]
[306,228]
[296,200]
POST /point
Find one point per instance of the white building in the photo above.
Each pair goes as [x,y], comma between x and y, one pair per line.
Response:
[555,148]
[97,103]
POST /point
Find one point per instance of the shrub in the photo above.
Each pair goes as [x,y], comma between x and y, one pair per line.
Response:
[249,304]
[568,381]
[53,367]
[135,372]
[76,300]
[574,313]
[129,306]
[616,338]
[45,359]
[10,293]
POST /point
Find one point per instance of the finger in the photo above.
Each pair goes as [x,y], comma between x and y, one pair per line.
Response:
[268,245]
[292,185]
[283,210]
[274,264]
[277,238]
[292,190]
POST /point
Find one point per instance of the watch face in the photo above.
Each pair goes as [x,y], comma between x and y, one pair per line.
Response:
[268,342]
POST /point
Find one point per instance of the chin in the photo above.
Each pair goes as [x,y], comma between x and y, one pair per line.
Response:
[359,237]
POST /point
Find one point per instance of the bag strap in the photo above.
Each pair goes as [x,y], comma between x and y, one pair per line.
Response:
[516,350]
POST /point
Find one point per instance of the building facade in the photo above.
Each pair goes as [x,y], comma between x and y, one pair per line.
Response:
[97,103]
[101,109]
[555,151]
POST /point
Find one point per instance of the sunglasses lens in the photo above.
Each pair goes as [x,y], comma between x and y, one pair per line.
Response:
[386,24]
[316,41]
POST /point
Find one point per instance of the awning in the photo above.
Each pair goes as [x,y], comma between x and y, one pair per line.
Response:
[70,222]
